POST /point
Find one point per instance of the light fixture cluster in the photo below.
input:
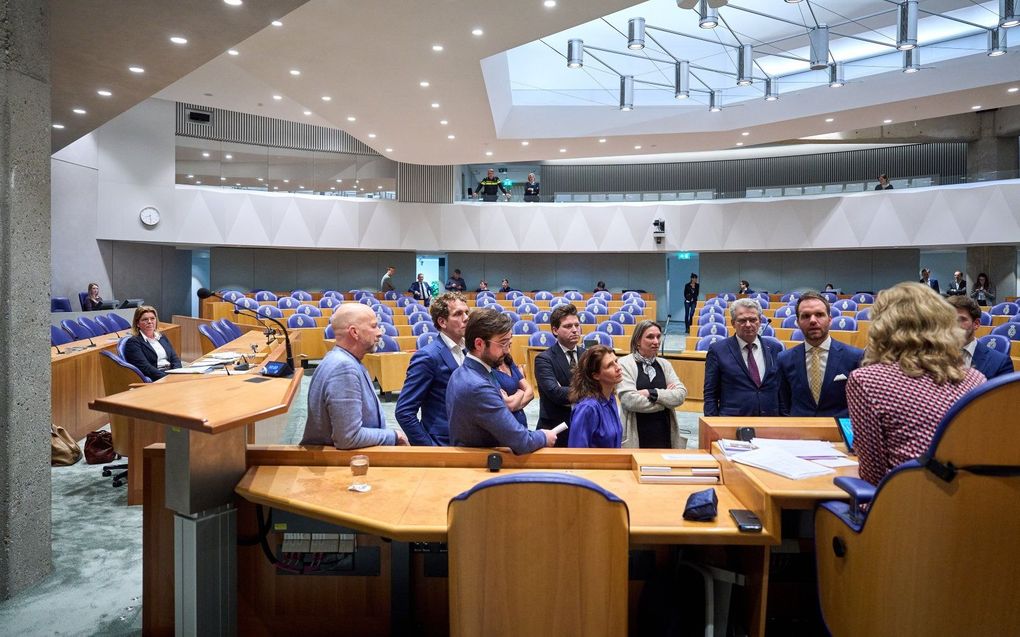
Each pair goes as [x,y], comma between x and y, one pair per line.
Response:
[820,55]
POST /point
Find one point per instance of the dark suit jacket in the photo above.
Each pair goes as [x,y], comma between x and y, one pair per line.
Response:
[479,417]
[140,354]
[425,388]
[422,291]
[552,374]
[795,392]
[932,283]
[729,390]
[991,363]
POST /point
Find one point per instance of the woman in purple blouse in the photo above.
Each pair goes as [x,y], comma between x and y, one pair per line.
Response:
[595,421]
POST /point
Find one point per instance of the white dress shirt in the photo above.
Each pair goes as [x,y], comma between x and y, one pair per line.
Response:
[759,355]
[968,353]
[457,349]
[162,362]
[823,358]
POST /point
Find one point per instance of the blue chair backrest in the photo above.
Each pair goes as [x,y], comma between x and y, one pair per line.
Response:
[60,304]
[717,300]
[81,299]
[786,310]
[418,317]
[636,300]
[419,328]
[92,326]
[384,317]
[383,309]
[630,294]
[844,324]
[333,293]
[573,295]
[711,329]
[228,329]
[425,338]
[630,308]
[404,300]
[288,303]
[518,301]
[513,316]
[728,297]
[760,296]
[789,321]
[265,295]
[58,336]
[846,305]
[411,308]
[597,309]
[542,316]
[213,335]
[123,363]
[597,338]
[270,310]
[1009,330]
[512,294]
[864,315]
[1003,309]
[831,297]
[525,327]
[1015,318]
[390,330]
[118,320]
[586,317]
[109,327]
[309,310]
[230,295]
[605,295]
[357,294]
[76,330]
[543,295]
[790,296]
[541,339]
[864,297]
[767,330]
[762,303]
[301,295]
[388,344]
[996,342]
[710,317]
[772,339]
[368,300]
[834,312]
[711,309]
[122,346]
[329,302]
[557,300]
[624,318]
[485,301]
[300,320]
[610,327]
[706,342]
[329,333]
[797,335]
[527,308]
[247,303]
[391,295]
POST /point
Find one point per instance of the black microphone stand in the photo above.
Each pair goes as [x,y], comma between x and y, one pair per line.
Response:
[204,293]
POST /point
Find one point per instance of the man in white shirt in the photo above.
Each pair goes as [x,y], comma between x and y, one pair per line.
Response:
[429,372]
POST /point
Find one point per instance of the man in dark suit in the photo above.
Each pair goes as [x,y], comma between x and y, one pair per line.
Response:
[959,285]
[814,373]
[985,360]
[474,405]
[742,372]
[555,366]
[421,290]
[429,373]
[927,280]
[691,291]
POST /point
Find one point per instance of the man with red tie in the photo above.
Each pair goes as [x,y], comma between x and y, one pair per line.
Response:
[742,372]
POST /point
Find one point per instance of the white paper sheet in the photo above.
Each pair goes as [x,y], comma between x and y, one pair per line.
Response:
[782,463]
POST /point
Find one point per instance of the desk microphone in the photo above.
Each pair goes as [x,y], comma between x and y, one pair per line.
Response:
[204,293]
[243,367]
[91,344]
[58,349]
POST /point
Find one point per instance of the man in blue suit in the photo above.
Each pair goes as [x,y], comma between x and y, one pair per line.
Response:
[814,374]
[987,361]
[343,409]
[429,373]
[742,372]
[478,415]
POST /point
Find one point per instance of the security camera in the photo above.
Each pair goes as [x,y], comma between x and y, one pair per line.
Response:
[659,230]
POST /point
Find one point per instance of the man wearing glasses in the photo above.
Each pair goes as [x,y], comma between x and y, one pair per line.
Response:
[742,372]
[478,416]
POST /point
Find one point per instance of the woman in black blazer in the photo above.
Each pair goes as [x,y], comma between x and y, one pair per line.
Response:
[147,349]
[93,301]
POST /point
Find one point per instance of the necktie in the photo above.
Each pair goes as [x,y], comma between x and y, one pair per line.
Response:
[815,372]
[572,359]
[752,365]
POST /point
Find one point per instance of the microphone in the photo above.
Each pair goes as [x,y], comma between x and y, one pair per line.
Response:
[242,367]
[58,349]
[662,343]
[205,293]
[91,344]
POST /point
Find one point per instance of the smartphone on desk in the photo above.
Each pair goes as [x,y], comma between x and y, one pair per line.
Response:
[747,522]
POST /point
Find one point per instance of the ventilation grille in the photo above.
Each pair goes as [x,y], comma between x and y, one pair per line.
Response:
[425,184]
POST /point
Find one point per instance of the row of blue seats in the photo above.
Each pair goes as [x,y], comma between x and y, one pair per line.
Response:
[597,305]
[997,342]
[87,327]
[846,305]
[264,296]
[538,338]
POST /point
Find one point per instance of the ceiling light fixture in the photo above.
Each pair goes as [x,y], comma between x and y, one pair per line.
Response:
[713,102]
[224,179]
[443,122]
[176,39]
[58,126]
[451,137]
[308,112]
[912,60]
[351,118]
[295,72]
[525,143]
[232,52]
[818,38]
[205,154]
[389,150]
[682,83]
[276,23]
[1013,89]
[636,34]
[136,69]
[277,97]
[745,65]
[286,181]
[626,92]
[575,53]
[638,147]
[906,25]
[771,89]
[887,121]
[836,76]
[549,4]
[423,84]
[477,32]
[746,133]
[198,182]
[228,156]
[435,104]
[563,150]
[976,107]
[234,3]
[103,92]
[78,111]
[709,16]
[829,120]
[371,135]
[488,153]
[602,140]
[1008,17]
[437,48]
[997,42]
[740,143]
[326,98]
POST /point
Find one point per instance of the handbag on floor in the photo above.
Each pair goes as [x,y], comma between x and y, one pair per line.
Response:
[64,451]
[99,447]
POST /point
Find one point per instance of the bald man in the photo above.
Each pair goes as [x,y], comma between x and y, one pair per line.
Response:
[343,409]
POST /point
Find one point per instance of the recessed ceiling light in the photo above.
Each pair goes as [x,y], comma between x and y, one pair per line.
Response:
[887,121]
[260,179]
[477,32]
[746,133]
[228,156]
[78,111]
[205,154]
[602,140]
[308,112]
[423,84]
[437,47]
[740,143]
[339,180]
[191,176]
[223,178]
[236,183]
[198,182]
[829,120]
[1013,89]
[277,97]
[295,72]
[332,187]
[136,69]
[549,4]
[371,135]
[378,187]
[351,118]
[276,23]
[234,3]
[389,150]
[443,122]
[488,153]
[435,104]
[976,107]
[326,98]
[104,92]
[286,181]
[563,150]
[638,147]
[300,186]
[176,39]
[525,143]
[276,187]
[58,126]
[451,137]
[232,52]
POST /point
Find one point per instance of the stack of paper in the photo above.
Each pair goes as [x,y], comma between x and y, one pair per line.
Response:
[676,468]
[806,449]
[731,447]
[781,462]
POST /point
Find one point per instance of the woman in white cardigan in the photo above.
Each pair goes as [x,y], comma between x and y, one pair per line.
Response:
[649,392]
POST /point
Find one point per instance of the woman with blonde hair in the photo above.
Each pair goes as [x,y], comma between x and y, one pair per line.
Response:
[912,374]
[147,348]
[649,393]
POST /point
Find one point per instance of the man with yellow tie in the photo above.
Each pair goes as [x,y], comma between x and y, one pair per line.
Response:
[813,374]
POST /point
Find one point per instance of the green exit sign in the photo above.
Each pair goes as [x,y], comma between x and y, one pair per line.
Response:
[685,256]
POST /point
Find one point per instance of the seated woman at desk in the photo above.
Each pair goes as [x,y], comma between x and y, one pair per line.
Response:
[595,420]
[518,390]
[649,393]
[93,301]
[912,374]
[146,348]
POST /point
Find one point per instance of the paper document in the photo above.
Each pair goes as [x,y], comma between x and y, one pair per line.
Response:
[807,449]
[692,457]
[782,463]
[732,447]
[188,370]
[835,462]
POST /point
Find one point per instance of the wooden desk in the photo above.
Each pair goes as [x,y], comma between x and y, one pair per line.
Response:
[389,369]
[713,428]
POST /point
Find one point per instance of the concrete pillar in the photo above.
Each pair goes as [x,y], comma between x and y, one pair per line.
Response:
[999,263]
[24,287]
[993,151]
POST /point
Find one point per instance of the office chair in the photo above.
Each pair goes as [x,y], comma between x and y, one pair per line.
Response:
[118,320]
[936,552]
[211,339]
[58,336]
[570,583]
[60,304]
[118,376]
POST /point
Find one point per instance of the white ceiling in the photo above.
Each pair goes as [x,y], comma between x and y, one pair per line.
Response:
[369,58]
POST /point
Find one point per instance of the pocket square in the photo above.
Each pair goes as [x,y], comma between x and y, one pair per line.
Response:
[839,377]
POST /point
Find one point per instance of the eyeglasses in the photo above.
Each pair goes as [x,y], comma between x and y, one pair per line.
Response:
[504,345]
[746,321]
